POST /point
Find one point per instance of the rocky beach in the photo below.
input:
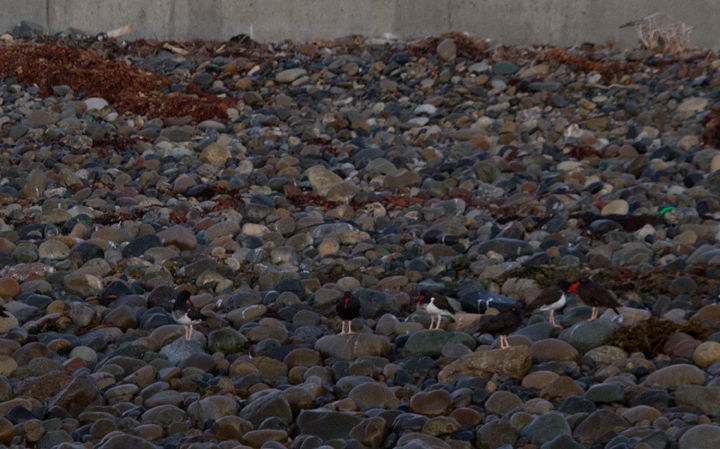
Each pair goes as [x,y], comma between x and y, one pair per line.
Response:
[269,179]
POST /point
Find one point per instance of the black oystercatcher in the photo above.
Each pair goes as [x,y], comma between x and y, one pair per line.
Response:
[348,308]
[595,295]
[437,305]
[551,299]
[503,323]
[186,313]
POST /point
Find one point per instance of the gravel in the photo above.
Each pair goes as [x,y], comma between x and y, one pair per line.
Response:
[269,179]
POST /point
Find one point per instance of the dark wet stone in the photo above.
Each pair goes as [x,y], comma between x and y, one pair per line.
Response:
[138,246]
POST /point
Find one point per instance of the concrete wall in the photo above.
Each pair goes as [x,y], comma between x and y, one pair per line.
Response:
[559,22]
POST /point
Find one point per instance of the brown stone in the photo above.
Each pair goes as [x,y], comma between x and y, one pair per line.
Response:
[513,362]
[553,349]
[43,387]
[256,438]
[539,379]
[30,351]
[302,357]
[710,313]
[434,403]
[9,288]
[466,416]
[675,375]
[81,393]
[370,432]
[6,432]
[706,354]
[562,387]
[231,428]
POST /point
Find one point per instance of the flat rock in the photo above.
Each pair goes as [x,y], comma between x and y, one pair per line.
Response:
[78,395]
[289,75]
[674,376]
[693,104]
[179,350]
[350,347]
[513,362]
[704,436]
[599,427]
[706,399]
[431,342]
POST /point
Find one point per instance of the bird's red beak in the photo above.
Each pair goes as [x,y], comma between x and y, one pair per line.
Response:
[573,288]
[346,301]
[190,301]
[421,299]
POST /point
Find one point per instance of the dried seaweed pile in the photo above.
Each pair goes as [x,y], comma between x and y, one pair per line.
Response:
[467,47]
[711,136]
[651,335]
[126,88]
[610,72]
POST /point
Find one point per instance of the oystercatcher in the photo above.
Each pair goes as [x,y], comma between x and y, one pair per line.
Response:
[551,299]
[348,308]
[437,305]
[594,295]
[503,323]
[186,313]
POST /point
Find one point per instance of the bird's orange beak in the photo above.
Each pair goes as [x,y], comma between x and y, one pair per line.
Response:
[573,288]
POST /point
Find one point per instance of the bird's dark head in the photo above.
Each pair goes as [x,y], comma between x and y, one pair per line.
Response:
[424,297]
[564,285]
[183,297]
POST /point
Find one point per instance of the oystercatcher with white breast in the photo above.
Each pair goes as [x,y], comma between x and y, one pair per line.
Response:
[437,305]
[595,295]
[186,313]
[348,308]
[551,299]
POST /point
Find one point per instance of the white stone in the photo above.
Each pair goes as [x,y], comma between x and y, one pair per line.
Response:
[96,103]
[425,109]
[616,207]
[693,104]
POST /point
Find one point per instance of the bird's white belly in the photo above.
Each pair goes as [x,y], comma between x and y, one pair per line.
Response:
[432,309]
[559,304]
[185,320]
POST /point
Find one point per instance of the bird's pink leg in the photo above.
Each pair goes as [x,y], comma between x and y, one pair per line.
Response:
[191,330]
[594,314]
[343,328]
[350,328]
[503,342]
[552,319]
[186,333]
